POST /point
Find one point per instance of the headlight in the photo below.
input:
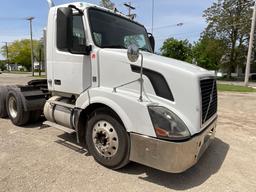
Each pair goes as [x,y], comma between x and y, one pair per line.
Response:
[168,125]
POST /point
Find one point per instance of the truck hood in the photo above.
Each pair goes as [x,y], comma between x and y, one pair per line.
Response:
[182,78]
[150,60]
[173,63]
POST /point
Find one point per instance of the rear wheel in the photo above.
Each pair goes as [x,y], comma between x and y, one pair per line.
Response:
[3,94]
[107,140]
[15,108]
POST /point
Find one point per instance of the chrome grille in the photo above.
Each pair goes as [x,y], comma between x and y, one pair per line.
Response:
[209,98]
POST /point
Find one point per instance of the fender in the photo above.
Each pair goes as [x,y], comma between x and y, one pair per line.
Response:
[32,98]
[124,104]
[115,107]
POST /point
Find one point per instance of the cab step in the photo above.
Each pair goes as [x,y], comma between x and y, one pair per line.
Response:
[60,127]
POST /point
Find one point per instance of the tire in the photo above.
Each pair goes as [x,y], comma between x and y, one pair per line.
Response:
[15,108]
[117,145]
[3,94]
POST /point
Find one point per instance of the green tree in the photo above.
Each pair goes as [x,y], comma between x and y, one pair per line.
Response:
[39,48]
[229,21]
[2,65]
[20,52]
[208,52]
[177,49]
[107,4]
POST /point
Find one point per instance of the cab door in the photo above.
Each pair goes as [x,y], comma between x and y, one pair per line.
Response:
[71,64]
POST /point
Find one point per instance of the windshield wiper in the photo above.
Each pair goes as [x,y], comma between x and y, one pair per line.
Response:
[115,46]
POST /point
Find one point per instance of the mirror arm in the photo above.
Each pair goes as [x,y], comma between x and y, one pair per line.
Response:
[141,78]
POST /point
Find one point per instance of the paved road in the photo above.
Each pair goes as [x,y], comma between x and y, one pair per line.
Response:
[33,159]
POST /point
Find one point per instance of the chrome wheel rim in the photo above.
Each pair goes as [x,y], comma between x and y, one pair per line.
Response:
[13,107]
[105,139]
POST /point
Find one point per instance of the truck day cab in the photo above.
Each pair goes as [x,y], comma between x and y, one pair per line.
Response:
[124,102]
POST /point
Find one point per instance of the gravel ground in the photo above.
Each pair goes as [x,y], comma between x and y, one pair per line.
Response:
[33,159]
[13,79]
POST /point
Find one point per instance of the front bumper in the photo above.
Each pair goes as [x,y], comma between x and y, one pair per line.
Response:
[173,157]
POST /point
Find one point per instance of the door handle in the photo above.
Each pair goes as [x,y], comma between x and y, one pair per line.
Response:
[57,82]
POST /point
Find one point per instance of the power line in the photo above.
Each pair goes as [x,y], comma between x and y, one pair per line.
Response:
[168,26]
[11,18]
[177,34]
[13,35]
[184,33]
[153,15]
[182,23]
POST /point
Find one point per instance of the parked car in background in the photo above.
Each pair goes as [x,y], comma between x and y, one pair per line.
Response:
[253,76]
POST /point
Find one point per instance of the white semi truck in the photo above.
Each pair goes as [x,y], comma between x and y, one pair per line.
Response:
[125,103]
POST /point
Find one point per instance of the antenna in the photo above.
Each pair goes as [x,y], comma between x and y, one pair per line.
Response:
[50,3]
[130,8]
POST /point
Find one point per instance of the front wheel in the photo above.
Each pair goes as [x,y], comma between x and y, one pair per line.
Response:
[107,140]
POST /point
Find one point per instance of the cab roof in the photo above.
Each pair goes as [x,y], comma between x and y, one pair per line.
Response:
[85,5]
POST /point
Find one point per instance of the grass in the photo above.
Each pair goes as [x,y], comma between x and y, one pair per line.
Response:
[235,88]
[42,76]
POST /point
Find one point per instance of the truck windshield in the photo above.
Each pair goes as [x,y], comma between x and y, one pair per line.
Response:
[112,31]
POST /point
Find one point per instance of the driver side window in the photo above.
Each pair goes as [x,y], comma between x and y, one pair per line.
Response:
[70,34]
[78,33]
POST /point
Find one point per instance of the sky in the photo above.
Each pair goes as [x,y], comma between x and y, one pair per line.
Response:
[168,13]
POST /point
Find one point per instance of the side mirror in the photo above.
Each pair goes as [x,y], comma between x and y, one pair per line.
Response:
[133,53]
[152,41]
[64,28]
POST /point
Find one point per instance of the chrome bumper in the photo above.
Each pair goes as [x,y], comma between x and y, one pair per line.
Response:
[173,157]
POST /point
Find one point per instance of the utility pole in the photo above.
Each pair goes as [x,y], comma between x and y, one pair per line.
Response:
[45,52]
[31,43]
[7,55]
[249,56]
[40,61]
[153,15]
[130,8]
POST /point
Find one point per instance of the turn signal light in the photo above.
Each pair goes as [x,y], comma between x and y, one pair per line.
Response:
[161,132]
